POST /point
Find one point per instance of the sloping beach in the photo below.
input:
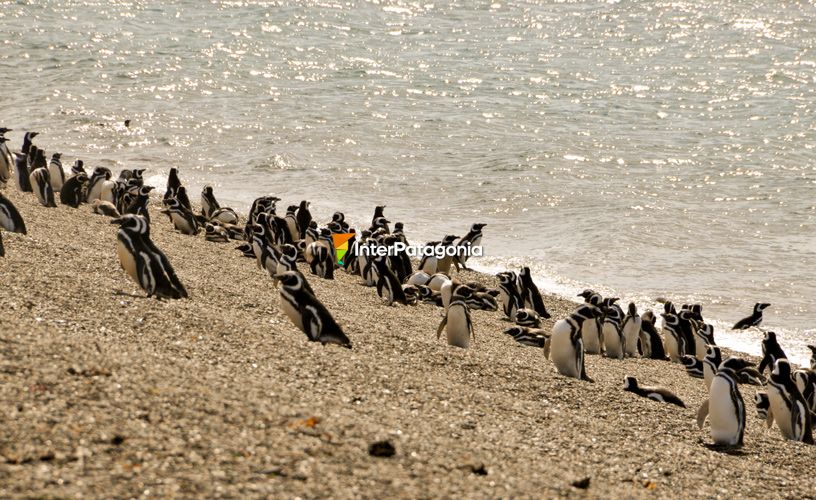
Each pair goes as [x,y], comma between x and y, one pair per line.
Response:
[106,393]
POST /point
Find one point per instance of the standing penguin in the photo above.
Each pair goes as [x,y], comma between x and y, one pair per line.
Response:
[650,340]
[725,406]
[143,261]
[291,222]
[530,294]
[789,408]
[755,319]
[208,202]
[378,213]
[456,322]
[771,352]
[613,333]
[388,283]
[71,193]
[567,347]
[812,356]
[631,331]
[675,342]
[10,220]
[472,239]
[6,159]
[304,218]
[711,363]
[703,337]
[21,172]
[183,219]
[508,293]
[173,183]
[41,185]
[300,304]
[95,181]
[592,328]
[56,173]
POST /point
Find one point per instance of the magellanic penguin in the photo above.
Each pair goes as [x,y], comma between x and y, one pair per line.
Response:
[41,185]
[660,394]
[788,406]
[208,202]
[21,172]
[97,177]
[527,317]
[105,208]
[388,286]
[755,319]
[10,220]
[530,294]
[725,406]
[703,337]
[304,218]
[650,342]
[72,191]
[763,407]
[694,367]
[675,342]
[771,352]
[300,304]
[612,332]
[56,173]
[456,322]
[291,222]
[215,233]
[631,331]
[441,260]
[173,183]
[567,348]
[6,158]
[806,383]
[812,356]
[183,219]
[711,362]
[143,261]
[509,295]
[471,240]
[591,329]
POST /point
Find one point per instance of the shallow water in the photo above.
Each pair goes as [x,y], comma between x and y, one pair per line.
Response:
[642,148]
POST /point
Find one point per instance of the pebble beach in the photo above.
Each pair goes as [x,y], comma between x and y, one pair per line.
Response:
[107,393]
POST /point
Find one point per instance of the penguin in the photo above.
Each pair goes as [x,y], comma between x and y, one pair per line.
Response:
[434,282]
[567,347]
[261,248]
[456,322]
[650,341]
[812,356]
[399,233]
[591,329]
[21,173]
[612,332]
[303,217]
[173,183]
[71,193]
[527,317]
[143,261]
[292,224]
[411,295]
[138,206]
[78,167]
[535,337]
[755,319]
[208,202]
[806,383]
[215,233]
[300,304]
[105,208]
[703,337]
[725,406]
[429,296]
[183,219]
[226,215]
[711,362]
[472,239]
[41,185]
[56,173]
[184,200]
[483,301]
[788,406]
[771,352]
[378,213]
[687,328]
[246,250]
[321,261]
[380,224]
[631,331]
[763,407]
[109,192]
[675,343]
[530,294]
[10,220]
[95,180]
[287,259]
[508,294]
[388,283]
[6,158]
[440,260]
[694,367]
[655,393]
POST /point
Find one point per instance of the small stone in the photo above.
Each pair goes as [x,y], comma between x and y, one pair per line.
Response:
[581,483]
[381,449]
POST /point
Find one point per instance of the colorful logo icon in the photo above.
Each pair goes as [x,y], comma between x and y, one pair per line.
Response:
[341,245]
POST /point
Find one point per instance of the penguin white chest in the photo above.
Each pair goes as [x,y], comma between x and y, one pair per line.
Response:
[458,326]
[127,260]
[724,417]
[612,341]
[631,333]
[672,346]
[562,352]
[591,336]
[291,311]
[781,412]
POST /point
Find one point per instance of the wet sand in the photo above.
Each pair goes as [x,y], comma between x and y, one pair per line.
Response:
[106,393]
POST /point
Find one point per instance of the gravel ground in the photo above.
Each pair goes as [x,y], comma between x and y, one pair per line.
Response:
[105,393]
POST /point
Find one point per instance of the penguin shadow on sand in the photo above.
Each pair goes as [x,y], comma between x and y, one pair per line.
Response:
[725,449]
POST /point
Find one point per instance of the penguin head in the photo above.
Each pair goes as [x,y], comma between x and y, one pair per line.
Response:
[671,319]
[449,239]
[3,139]
[713,351]
[782,370]
[668,307]
[56,156]
[291,279]
[32,135]
[82,177]
[734,364]
[588,311]
[3,130]
[514,330]
[410,291]
[133,222]
[207,191]
[632,309]
[424,291]
[291,209]
[209,228]
[697,309]
[761,306]
[630,383]
[334,227]
[304,205]
[338,217]
[399,227]
[463,292]
[770,337]
[289,251]
[688,361]
[648,316]
[609,301]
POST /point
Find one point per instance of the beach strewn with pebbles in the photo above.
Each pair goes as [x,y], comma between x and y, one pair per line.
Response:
[106,393]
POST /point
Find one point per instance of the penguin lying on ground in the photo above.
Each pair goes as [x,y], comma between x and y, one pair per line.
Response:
[661,394]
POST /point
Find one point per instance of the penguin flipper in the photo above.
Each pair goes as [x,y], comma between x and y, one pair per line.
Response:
[702,413]
[441,326]
[766,362]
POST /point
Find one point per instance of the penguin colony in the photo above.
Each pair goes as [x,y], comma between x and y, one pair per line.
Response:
[599,326]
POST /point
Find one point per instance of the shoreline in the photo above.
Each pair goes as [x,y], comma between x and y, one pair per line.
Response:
[112,394]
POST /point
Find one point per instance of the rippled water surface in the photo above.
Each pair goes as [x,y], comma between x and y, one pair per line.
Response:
[645,148]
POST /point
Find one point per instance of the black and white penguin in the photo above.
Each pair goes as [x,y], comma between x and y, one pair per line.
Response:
[208,202]
[725,406]
[806,383]
[650,342]
[78,167]
[591,329]
[21,172]
[631,331]
[173,183]
[215,233]
[771,352]
[456,322]
[143,261]
[10,220]
[41,185]
[655,393]
[287,259]
[675,342]
[95,181]
[483,301]
[380,224]
[703,337]
[612,332]
[138,206]
[530,294]
[72,191]
[183,219]
[105,208]
[320,260]
[694,367]
[509,295]
[534,337]
[687,325]
[56,173]
[763,407]
[388,286]
[472,239]
[527,317]
[711,363]
[291,222]
[441,260]
[300,304]
[429,296]
[567,347]
[755,319]
[6,158]
[788,406]
[378,212]
[812,356]
[304,218]
[226,215]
